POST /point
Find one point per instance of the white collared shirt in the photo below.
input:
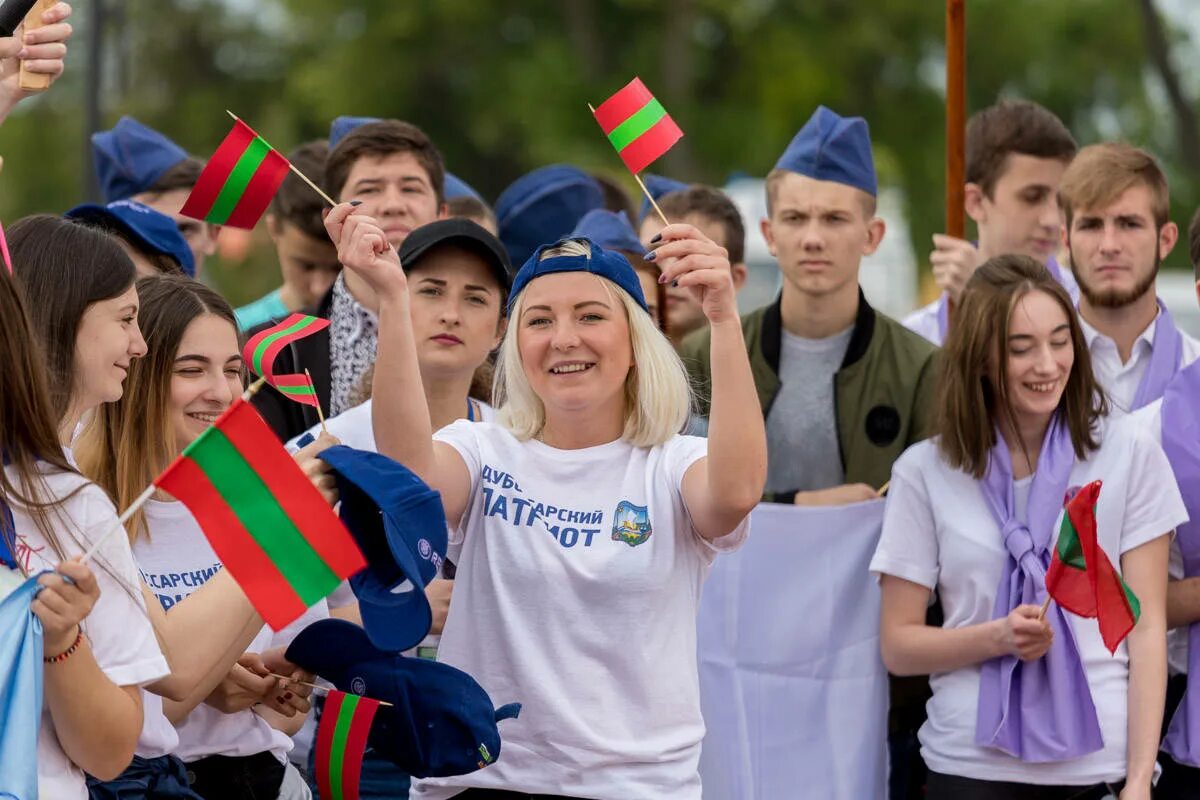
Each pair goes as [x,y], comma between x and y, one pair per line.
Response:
[1120,381]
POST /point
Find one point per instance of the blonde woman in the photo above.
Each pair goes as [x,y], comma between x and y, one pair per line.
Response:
[585,523]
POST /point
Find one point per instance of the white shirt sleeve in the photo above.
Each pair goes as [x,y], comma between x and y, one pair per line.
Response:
[679,454]
[908,546]
[462,435]
[1153,505]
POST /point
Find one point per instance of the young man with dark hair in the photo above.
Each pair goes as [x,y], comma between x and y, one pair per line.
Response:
[1016,154]
[710,210]
[307,259]
[397,176]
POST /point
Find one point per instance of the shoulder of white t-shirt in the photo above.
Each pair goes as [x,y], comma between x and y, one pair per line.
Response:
[924,321]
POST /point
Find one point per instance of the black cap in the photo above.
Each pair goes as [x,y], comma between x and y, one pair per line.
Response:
[461,233]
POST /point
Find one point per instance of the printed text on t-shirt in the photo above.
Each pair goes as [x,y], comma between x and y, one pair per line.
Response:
[568,526]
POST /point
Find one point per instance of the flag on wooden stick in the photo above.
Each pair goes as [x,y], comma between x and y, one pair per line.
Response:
[341,740]
[262,349]
[239,181]
[637,125]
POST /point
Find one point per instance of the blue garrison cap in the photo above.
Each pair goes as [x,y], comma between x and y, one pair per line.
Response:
[657,186]
[544,206]
[604,263]
[131,157]
[440,722]
[343,125]
[153,231]
[611,230]
[455,186]
[834,148]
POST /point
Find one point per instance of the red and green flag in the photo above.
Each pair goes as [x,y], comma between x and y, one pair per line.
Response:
[262,349]
[239,181]
[1082,580]
[265,520]
[341,740]
[637,125]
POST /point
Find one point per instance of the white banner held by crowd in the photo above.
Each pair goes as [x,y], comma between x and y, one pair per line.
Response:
[793,687]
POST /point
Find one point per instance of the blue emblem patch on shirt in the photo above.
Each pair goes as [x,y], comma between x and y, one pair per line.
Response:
[631,524]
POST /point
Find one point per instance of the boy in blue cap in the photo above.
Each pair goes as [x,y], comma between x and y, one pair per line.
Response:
[41,51]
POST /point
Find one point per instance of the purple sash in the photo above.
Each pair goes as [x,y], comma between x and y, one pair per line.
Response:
[943,309]
[1166,353]
[1036,711]
[1181,442]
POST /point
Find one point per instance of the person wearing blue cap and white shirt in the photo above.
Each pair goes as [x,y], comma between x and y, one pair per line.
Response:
[584,523]
[136,162]
[41,51]
[149,238]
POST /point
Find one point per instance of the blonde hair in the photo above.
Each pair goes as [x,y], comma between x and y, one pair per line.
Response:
[658,398]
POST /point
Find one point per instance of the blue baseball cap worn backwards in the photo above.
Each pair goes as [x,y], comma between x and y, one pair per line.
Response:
[153,231]
[607,264]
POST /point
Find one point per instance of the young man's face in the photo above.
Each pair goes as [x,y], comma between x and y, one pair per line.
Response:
[1116,250]
[201,236]
[394,189]
[309,266]
[820,231]
[1022,215]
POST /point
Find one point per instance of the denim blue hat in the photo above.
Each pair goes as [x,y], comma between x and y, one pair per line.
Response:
[605,263]
[131,157]
[455,186]
[441,721]
[657,186]
[833,148]
[544,206]
[153,231]
[399,525]
[343,125]
[611,230]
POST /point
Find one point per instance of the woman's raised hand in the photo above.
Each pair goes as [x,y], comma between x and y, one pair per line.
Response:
[363,247]
[692,260]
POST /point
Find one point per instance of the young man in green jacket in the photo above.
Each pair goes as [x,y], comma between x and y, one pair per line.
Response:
[844,388]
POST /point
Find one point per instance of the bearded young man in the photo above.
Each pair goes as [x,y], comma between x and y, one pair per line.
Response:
[1116,203]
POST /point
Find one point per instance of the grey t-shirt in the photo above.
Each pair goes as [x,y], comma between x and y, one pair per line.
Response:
[802,442]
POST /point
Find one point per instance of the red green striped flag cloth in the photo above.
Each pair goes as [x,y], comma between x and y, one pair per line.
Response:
[637,126]
[1082,580]
[239,181]
[267,523]
[262,349]
[341,740]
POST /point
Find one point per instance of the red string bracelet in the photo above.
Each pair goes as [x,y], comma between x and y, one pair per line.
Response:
[65,654]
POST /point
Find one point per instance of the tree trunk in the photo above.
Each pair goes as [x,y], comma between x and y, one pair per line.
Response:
[1187,130]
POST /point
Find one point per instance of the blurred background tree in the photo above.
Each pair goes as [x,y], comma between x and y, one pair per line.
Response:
[503,87]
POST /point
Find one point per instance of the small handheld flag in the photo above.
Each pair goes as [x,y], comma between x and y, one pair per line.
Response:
[260,353]
[265,520]
[341,740]
[1082,580]
[239,181]
[637,125]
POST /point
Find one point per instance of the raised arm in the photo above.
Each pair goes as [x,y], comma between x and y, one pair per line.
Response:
[721,489]
[1144,569]
[399,413]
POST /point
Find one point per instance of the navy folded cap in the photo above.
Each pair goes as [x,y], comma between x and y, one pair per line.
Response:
[455,186]
[609,229]
[834,148]
[543,206]
[463,233]
[343,125]
[400,526]
[147,227]
[131,157]
[605,263]
[657,186]
[441,721]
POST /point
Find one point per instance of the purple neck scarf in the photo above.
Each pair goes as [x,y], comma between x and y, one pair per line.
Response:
[1166,351]
[1036,711]
[943,309]
[1181,442]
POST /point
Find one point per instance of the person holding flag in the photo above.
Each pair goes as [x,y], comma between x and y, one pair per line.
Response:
[1026,706]
[584,495]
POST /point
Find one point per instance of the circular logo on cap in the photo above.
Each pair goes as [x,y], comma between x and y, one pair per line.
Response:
[425,548]
[358,686]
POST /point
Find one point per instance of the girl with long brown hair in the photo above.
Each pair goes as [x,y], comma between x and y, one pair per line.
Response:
[1025,706]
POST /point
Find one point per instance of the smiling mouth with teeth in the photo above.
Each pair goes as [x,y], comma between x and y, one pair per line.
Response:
[1042,387]
[569,368]
[207,419]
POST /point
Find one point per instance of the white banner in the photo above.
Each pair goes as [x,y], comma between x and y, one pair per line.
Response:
[793,689]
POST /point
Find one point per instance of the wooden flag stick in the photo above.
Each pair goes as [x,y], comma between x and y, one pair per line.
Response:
[645,191]
[315,686]
[956,119]
[320,413]
[883,489]
[1045,608]
[299,174]
[35,81]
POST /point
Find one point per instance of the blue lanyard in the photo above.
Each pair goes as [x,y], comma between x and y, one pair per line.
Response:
[8,533]
[470,410]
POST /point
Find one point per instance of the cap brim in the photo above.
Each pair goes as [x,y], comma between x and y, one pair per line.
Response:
[480,242]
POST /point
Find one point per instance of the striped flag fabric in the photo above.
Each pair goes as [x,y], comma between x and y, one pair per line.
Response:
[299,388]
[637,125]
[260,353]
[1082,580]
[239,181]
[267,523]
[341,740]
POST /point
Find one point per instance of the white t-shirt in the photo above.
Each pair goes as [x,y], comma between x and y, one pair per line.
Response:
[353,427]
[939,533]
[175,560]
[118,629]
[579,577]
[1120,381]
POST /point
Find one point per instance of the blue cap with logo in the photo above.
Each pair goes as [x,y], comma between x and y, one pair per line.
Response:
[609,229]
[131,157]
[440,722]
[657,186]
[543,206]
[153,231]
[400,526]
[833,148]
[603,263]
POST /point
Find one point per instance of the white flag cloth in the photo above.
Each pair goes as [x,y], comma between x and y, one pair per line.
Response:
[793,688]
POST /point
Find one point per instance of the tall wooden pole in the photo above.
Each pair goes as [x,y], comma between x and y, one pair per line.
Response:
[956,116]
